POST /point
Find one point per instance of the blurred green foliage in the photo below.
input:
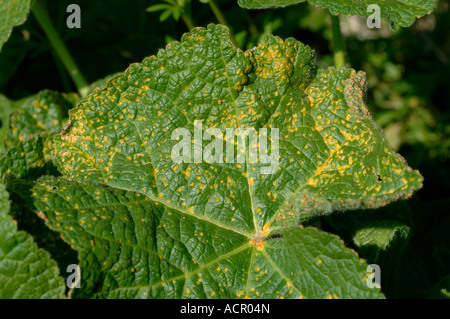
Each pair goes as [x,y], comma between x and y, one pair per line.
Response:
[409,84]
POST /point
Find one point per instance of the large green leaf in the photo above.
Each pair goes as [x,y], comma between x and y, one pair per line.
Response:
[25,270]
[399,13]
[332,156]
[12,13]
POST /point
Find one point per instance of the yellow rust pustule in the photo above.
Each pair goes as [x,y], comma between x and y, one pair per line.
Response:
[258,241]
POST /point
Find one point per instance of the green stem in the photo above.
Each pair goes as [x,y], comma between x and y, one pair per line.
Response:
[62,72]
[339,55]
[222,20]
[60,49]
[251,25]
[188,21]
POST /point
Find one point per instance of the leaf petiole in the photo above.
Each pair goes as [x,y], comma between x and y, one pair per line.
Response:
[60,49]
[338,47]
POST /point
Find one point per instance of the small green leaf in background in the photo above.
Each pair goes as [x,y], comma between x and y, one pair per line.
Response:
[12,13]
[441,290]
[398,13]
[377,237]
[28,156]
[25,270]
[20,159]
[170,8]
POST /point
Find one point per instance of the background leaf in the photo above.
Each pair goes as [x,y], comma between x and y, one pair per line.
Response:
[12,13]
[397,13]
[25,270]
[127,145]
[6,108]
[43,113]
